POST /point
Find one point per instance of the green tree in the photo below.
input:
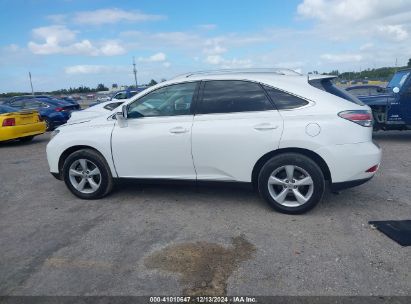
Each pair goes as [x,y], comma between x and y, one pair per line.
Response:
[152,82]
[409,62]
[101,87]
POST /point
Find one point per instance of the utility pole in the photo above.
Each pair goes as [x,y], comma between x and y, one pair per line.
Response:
[31,84]
[135,71]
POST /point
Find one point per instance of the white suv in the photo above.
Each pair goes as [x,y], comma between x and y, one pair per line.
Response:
[279,130]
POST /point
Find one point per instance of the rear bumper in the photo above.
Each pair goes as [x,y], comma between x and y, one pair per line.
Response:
[349,162]
[15,132]
[350,184]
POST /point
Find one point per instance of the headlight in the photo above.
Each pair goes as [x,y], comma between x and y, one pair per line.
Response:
[54,133]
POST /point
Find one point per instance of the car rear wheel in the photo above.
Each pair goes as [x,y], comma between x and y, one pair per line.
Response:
[87,175]
[291,183]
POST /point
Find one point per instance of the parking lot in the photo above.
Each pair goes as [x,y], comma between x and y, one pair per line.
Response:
[179,239]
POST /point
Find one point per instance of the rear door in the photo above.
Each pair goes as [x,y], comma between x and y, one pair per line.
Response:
[235,124]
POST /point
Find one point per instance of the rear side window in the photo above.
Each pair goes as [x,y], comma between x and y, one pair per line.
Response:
[283,100]
[230,96]
[327,86]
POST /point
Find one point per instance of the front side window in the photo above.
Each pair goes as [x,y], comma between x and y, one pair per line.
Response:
[283,100]
[230,96]
[167,101]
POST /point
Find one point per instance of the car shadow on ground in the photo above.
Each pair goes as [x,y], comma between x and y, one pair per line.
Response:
[217,194]
[17,143]
[392,135]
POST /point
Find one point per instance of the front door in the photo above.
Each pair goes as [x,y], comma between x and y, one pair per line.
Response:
[156,143]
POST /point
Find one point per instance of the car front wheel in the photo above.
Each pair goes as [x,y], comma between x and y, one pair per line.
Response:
[87,175]
[291,183]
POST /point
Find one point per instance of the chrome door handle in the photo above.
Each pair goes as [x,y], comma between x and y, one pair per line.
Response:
[178,130]
[265,126]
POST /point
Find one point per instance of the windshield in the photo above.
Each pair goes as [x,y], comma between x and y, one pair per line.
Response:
[7,109]
[398,79]
[327,86]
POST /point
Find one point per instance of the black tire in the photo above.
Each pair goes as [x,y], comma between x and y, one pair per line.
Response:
[49,124]
[26,139]
[105,177]
[300,163]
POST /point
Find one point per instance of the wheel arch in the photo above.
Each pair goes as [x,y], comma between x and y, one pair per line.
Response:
[312,155]
[73,149]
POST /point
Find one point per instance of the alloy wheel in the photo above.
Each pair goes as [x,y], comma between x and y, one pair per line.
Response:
[85,176]
[290,186]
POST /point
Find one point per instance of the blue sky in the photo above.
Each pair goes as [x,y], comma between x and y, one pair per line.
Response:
[71,42]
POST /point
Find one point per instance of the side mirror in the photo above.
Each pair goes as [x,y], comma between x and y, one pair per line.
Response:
[124,111]
[396,90]
[121,117]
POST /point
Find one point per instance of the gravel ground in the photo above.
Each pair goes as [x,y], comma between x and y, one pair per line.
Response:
[174,239]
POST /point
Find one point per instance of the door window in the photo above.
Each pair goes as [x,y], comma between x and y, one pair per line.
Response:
[283,100]
[167,101]
[229,96]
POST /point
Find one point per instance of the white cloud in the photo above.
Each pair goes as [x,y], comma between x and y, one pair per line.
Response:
[342,58]
[112,48]
[112,15]
[395,32]
[158,57]
[58,39]
[214,59]
[350,10]
[93,69]
[350,19]
[228,63]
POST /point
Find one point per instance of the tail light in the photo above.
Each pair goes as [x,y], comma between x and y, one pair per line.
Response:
[9,122]
[372,169]
[361,117]
[59,109]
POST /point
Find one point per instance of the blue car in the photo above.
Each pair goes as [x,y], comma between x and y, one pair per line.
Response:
[24,97]
[54,112]
[391,106]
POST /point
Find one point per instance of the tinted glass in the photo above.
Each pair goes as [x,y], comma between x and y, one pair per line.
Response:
[167,101]
[398,79]
[360,91]
[283,100]
[112,106]
[122,95]
[34,104]
[327,86]
[17,103]
[227,96]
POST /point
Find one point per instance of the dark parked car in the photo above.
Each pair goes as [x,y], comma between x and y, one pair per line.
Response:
[23,97]
[54,112]
[365,90]
[391,106]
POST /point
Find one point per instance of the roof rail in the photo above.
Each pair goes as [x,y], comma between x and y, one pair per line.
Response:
[277,71]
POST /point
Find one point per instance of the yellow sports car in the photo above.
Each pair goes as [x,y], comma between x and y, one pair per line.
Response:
[22,125]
